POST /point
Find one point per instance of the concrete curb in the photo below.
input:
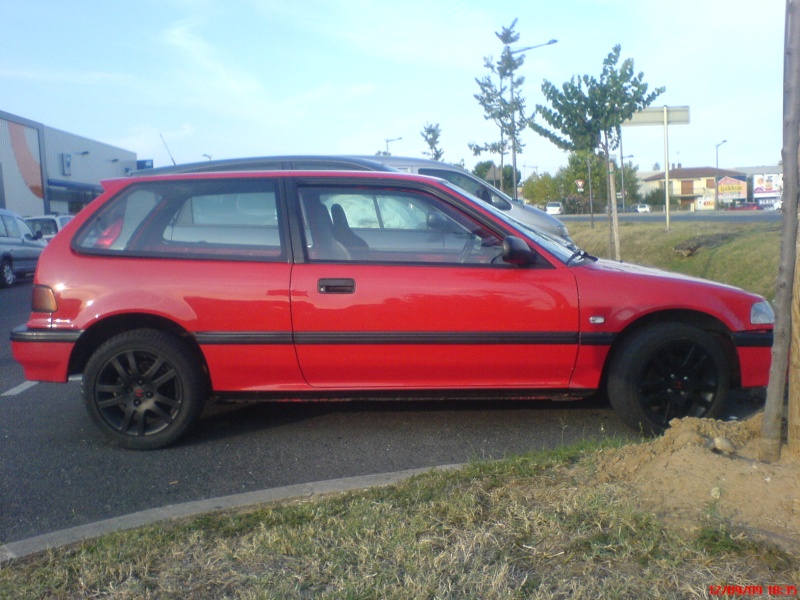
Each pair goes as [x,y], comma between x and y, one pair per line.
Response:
[41,543]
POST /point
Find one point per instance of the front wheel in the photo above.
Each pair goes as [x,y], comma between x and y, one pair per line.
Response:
[666,372]
[7,276]
[144,389]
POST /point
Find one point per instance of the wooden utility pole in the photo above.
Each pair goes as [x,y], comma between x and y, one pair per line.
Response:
[791,163]
[787,317]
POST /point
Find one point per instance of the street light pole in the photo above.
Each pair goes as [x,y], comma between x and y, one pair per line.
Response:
[514,118]
[391,140]
[716,175]
[622,173]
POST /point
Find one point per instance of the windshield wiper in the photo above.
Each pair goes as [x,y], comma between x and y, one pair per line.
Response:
[580,253]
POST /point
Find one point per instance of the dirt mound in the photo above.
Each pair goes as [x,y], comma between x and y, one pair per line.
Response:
[703,468]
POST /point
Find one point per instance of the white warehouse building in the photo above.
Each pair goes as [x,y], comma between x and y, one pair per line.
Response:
[48,171]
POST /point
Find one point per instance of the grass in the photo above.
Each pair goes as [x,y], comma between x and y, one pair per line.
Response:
[530,526]
[742,254]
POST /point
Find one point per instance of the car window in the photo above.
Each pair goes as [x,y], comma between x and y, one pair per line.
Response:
[23,227]
[11,226]
[466,182]
[391,226]
[46,226]
[217,219]
[3,231]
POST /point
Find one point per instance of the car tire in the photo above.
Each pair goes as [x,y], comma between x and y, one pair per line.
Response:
[144,389]
[665,372]
[7,277]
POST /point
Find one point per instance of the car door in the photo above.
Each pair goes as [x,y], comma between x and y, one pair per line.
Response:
[19,240]
[409,291]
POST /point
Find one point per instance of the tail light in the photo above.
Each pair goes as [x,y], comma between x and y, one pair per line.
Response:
[44,299]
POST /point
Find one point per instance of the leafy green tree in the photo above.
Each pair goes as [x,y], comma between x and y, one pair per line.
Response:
[578,169]
[430,133]
[510,177]
[631,180]
[507,114]
[482,169]
[587,113]
[541,189]
[655,197]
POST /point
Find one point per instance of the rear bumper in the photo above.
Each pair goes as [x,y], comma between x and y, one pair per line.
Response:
[43,353]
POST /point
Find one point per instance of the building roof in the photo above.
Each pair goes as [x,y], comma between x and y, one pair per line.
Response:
[694,173]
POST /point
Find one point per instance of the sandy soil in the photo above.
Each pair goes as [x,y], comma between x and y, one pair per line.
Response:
[703,468]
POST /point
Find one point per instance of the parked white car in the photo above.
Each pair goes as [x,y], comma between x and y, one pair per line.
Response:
[49,225]
[640,208]
[554,208]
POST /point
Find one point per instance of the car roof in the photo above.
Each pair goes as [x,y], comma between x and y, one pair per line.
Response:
[409,161]
[256,163]
[144,175]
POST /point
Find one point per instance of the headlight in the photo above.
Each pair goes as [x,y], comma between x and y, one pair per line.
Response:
[761,313]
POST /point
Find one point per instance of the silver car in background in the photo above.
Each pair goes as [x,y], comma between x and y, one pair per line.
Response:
[48,225]
[528,215]
[19,248]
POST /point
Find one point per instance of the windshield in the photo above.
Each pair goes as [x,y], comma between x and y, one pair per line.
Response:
[558,247]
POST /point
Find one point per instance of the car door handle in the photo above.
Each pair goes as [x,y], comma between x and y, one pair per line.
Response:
[336,286]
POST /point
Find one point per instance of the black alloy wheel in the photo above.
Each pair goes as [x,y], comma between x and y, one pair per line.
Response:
[666,372]
[144,389]
[7,277]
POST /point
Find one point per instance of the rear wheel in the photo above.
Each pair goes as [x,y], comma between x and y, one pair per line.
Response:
[144,389]
[666,372]
[7,276]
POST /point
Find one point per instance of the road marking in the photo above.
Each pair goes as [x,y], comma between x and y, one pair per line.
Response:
[19,389]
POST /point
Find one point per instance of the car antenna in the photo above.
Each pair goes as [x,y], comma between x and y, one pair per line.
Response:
[167,147]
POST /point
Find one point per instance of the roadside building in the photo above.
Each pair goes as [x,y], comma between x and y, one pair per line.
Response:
[764,184]
[47,171]
[696,188]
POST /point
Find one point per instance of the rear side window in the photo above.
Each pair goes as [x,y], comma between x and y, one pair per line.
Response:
[227,219]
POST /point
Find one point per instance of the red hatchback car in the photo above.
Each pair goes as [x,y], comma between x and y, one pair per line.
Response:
[170,290]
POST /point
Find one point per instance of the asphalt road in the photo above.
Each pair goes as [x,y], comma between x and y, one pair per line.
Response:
[730,216]
[57,472]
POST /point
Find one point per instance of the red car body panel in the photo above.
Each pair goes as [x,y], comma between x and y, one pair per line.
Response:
[441,306]
[403,327]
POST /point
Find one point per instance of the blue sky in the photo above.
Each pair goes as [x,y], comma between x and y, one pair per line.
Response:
[264,77]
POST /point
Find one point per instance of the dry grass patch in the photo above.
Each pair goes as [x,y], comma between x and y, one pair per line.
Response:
[538,526]
[742,254]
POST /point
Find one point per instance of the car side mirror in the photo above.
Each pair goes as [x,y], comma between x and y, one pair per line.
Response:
[438,222]
[517,252]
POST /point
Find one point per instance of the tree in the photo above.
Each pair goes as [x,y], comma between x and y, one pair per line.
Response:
[586,114]
[510,177]
[786,346]
[430,133]
[507,114]
[482,169]
[631,181]
[577,169]
[541,189]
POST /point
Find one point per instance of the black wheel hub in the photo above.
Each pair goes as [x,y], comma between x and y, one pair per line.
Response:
[138,393]
[678,381]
